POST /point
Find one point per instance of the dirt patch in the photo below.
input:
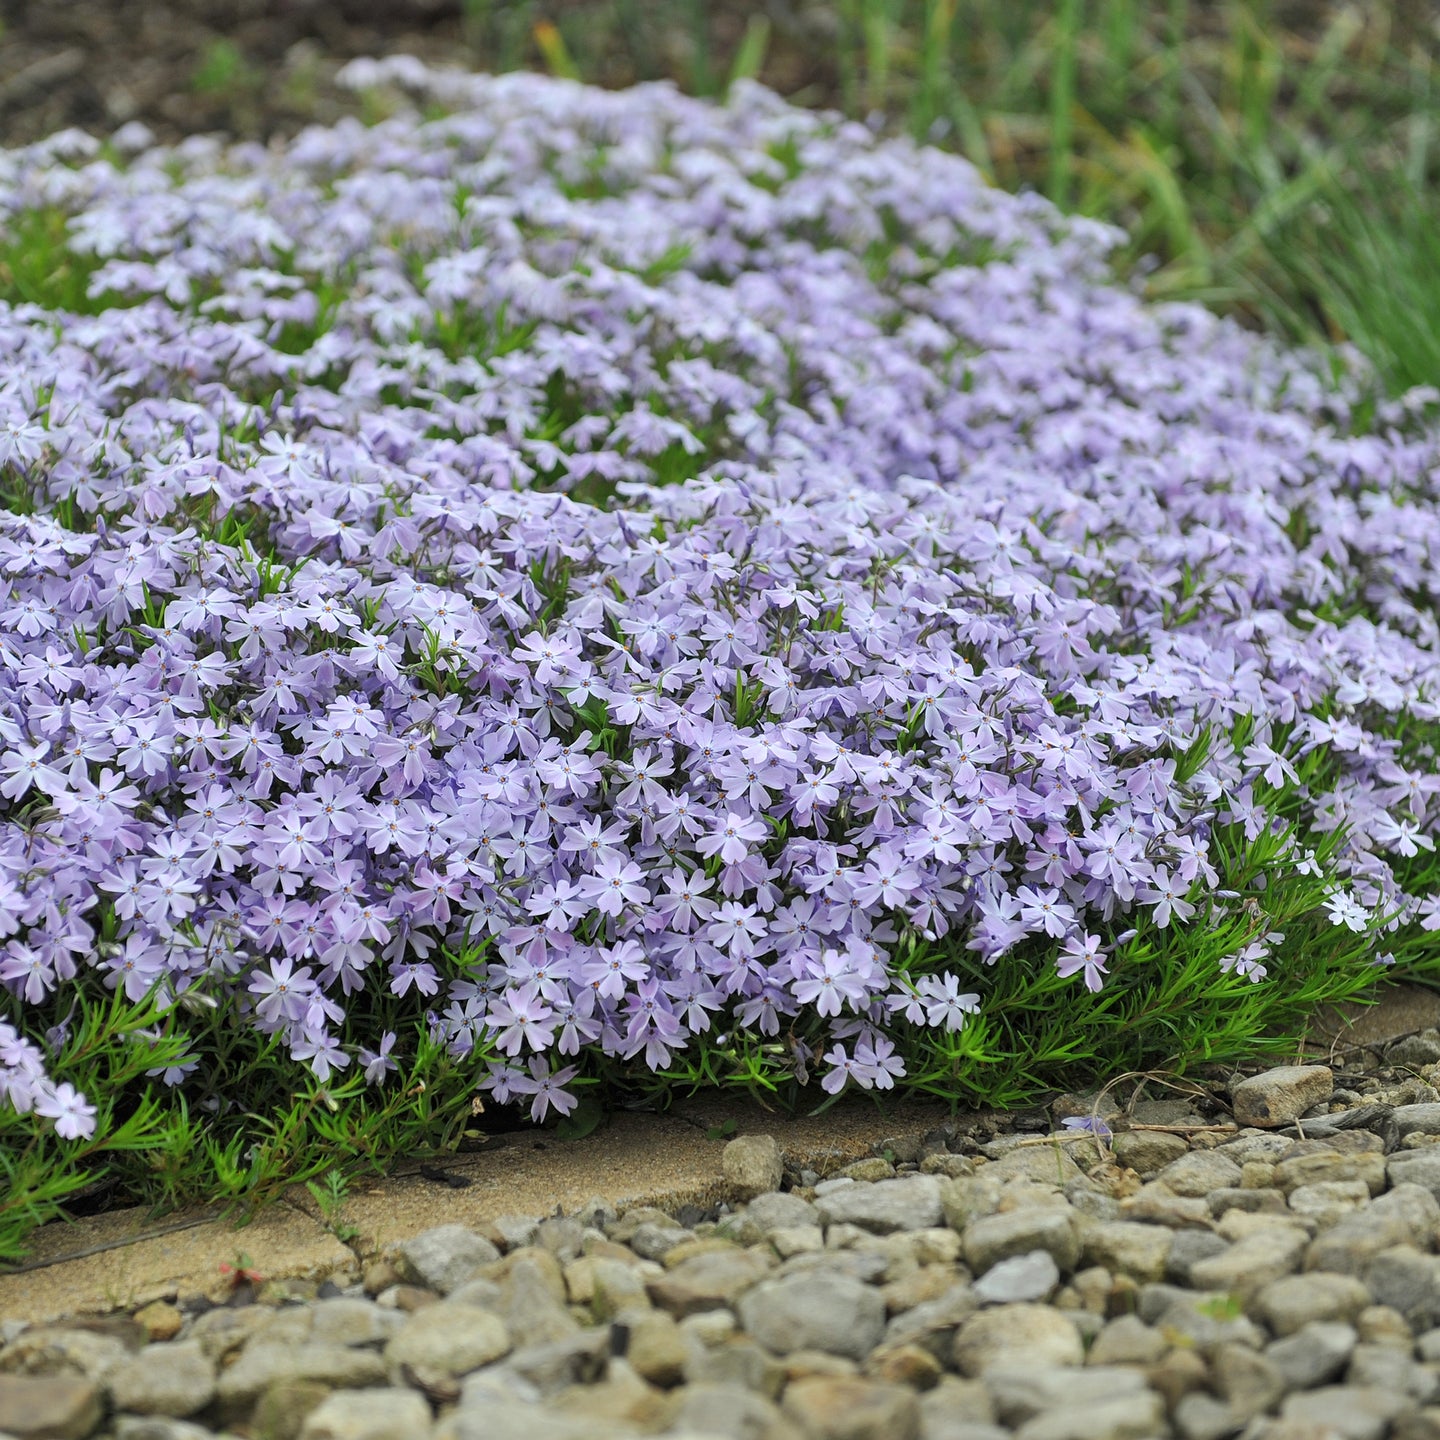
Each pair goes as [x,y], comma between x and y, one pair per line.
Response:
[258,68]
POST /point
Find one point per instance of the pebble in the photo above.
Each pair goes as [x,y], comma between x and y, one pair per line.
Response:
[1003,1334]
[753,1165]
[998,1237]
[1289,1304]
[1314,1354]
[885,1206]
[823,1310]
[1271,1286]
[1281,1096]
[1146,1151]
[1129,1247]
[445,1258]
[1023,1277]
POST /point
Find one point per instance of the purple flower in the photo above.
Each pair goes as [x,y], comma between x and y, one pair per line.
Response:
[355,703]
[74,1117]
[1081,955]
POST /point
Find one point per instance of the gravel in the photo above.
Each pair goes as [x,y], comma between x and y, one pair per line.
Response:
[1260,1282]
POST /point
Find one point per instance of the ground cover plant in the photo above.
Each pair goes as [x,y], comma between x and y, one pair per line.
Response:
[588,595]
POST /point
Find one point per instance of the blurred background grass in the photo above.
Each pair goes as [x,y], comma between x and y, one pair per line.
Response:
[1275,160]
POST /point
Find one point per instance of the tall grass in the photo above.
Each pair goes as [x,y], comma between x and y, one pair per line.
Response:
[1238,142]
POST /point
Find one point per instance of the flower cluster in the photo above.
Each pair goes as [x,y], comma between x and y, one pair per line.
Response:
[605,569]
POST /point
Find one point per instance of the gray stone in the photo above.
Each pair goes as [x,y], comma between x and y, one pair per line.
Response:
[513,1232]
[940,1425]
[970,1198]
[1264,1201]
[349,1320]
[1018,1232]
[1157,1204]
[911,1203]
[1329,1201]
[1408,1281]
[1423,1424]
[753,1165]
[654,1242]
[1146,1151]
[730,1411]
[606,1284]
[1199,1416]
[499,1418]
[1011,1334]
[56,1349]
[450,1339]
[1330,1167]
[1279,1096]
[1254,1145]
[932,1323]
[709,1281]
[777,1211]
[797,1240]
[1406,1215]
[1347,1412]
[1252,1263]
[739,1361]
[157,1427]
[549,1368]
[1048,1163]
[1125,1247]
[654,1345]
[818,1311]
[849,1407]
[1415,1120]
[1020,1392]
[1387,1367]
[1201,1321]
[1190,1247]
[262,1365]
[222,1332]
[368,1415]
[1200,1172]
[49,1407]
[1124,1417]
[1022,1277]
[1092,1203]
[564,1235]
[1288,1304]
[1415,1050]
[1314,1354]
[175,1379]
[1245,1379]
[965,1402]
[444,1258]
[1416,1167]
[531,1299]
[1127,1340]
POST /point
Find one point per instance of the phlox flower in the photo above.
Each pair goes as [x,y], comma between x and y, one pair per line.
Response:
[844,1068]
[546,1089]
[1082,955]
[73,1115]
[25,767]
[732,837]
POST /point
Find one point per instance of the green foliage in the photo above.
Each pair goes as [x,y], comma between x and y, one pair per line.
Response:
[239,1132]
[223,70]
[1208,132]
[37,266]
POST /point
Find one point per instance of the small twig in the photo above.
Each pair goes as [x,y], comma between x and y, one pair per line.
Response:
[100,1249]
[1225,1127]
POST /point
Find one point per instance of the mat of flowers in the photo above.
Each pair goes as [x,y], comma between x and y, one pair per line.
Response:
[610,570]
